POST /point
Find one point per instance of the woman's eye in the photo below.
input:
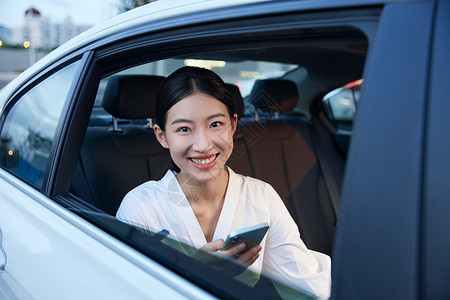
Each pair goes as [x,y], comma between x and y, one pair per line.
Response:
[216,124]
[183,129]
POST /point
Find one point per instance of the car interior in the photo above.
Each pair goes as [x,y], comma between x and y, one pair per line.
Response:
[285,136]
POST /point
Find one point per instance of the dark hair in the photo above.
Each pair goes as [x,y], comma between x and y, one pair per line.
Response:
[185,82]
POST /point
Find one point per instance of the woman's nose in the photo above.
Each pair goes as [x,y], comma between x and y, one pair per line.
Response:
[203,142]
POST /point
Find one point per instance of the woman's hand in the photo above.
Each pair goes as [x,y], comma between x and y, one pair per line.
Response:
[247,257]
[210,252]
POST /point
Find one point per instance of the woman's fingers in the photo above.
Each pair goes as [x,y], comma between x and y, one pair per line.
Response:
[213,246]
[238,252]
[250,256]
[234,251]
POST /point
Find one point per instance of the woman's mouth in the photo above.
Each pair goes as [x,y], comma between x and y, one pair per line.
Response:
[204,162]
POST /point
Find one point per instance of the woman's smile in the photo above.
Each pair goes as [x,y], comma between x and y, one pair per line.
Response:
[204,161]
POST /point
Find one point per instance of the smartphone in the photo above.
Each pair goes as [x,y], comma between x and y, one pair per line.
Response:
[251,236]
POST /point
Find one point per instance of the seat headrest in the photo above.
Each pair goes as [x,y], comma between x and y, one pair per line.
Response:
[132,96]
[237,99]
[276,95]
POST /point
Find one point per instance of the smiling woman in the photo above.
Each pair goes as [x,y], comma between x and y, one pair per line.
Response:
[196,122]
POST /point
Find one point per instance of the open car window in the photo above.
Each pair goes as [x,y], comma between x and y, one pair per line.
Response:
[212,271]
[120,150]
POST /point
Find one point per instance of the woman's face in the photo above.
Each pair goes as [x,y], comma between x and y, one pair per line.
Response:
[199,136]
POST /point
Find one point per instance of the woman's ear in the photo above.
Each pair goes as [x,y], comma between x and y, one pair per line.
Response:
[234,123]
[160,136]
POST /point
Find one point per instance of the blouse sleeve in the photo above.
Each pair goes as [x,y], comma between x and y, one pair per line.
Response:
[286,256]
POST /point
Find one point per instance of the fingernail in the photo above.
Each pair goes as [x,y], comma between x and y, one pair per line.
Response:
[241,246]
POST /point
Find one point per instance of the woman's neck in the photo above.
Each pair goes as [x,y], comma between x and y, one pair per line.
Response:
[206,200]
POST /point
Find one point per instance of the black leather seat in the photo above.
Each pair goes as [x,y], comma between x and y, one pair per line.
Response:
[282,153]
[115,160]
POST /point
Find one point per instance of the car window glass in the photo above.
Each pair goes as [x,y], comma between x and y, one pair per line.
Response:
[243,74]
[340,104]
[29,128]
[216,272]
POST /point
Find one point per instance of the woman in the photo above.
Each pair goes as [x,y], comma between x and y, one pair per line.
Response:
[206,200]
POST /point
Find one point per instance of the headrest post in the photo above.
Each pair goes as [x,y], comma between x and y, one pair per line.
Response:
[115,126]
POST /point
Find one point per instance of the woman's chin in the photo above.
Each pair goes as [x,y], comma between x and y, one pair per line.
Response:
[205,175]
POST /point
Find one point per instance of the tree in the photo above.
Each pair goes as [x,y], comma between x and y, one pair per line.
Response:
[127,5]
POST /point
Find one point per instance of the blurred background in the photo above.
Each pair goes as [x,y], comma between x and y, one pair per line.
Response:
[30,29]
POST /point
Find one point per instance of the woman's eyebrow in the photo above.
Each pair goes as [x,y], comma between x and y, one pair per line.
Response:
[181,121]
[190,121]
[216,115]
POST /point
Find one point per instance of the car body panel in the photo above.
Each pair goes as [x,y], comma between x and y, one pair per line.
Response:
[42,240]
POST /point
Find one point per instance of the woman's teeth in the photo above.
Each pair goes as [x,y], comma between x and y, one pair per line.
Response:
[203,161]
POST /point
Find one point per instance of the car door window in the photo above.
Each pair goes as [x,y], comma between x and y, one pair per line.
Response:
[340,104]
[29,127]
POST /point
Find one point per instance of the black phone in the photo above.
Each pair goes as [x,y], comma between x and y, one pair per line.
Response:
[251,236]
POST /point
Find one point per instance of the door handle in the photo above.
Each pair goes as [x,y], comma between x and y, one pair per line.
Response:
[4,258]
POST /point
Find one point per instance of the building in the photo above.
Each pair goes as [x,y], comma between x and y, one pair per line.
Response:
[5,34]
[42,33]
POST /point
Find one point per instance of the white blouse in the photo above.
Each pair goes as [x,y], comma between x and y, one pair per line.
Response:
[158,205]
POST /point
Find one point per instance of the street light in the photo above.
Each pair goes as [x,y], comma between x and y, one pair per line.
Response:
[26,45]
[1,43]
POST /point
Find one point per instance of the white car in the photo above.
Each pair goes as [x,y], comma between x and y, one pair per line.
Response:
[372,192]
